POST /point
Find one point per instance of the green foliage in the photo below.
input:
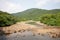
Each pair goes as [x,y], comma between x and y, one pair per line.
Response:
[34,14]
[33,23]
[30,14]
[51,19]
[6,19]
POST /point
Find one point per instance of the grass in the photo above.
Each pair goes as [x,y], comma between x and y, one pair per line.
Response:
[33,23]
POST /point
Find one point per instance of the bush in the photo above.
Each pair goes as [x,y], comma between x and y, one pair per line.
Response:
[51,19]
[6,19]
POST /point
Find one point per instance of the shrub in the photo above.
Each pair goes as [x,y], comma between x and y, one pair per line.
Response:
[51,19]
[6,19]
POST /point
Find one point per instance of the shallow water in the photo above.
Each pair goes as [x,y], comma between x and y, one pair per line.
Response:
[28,35]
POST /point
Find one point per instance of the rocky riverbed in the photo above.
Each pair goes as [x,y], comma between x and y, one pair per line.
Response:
[23,31]
[27,35]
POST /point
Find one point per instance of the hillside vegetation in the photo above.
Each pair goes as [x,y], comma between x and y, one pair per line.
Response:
[50,17]
[30,14]
[34,14]
[6,19]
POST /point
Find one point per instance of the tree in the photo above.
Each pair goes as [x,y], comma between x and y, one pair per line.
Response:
[6,19]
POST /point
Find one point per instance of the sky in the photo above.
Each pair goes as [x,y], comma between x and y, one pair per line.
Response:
[13,6]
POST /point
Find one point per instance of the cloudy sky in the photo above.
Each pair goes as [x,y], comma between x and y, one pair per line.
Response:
[13,6]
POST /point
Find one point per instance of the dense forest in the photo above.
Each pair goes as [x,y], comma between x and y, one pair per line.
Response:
[6,19]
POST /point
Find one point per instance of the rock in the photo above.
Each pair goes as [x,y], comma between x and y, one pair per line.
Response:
[7,34]
[23,30]
[38,33]
[2,32]
[42,34]
[15,32]
[33,34]
[23,35]
[53,35]
[19,30]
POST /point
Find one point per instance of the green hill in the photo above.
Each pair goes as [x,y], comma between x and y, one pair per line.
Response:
[49,17]
[34,13]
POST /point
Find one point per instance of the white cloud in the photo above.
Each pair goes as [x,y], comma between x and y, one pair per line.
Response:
[41,3]
[56,0]
[10,7]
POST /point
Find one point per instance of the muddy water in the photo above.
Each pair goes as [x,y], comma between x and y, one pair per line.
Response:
[27,35]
